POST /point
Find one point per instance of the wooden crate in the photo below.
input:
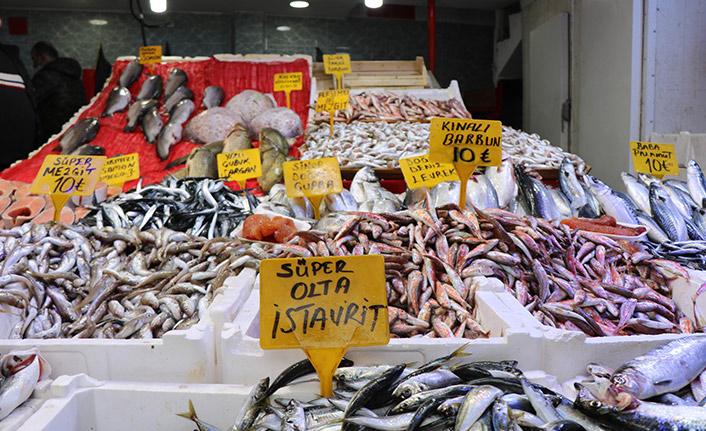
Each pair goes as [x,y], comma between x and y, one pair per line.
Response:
[377,74]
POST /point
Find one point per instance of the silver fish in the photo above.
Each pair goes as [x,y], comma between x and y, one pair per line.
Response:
[481,193]
[637,192]
[570,185]
[613,205]
[131,73]
[445,193]
[665,215]
[118,101]
[592,209]
[151,88]
[655,232]
[212,96]
[29,368]
[182,111]
[179,94]
[84,131]
[654,373]
[200,425]
[562,202]
[539,200]
[476,401]
[680,203]
[175,79]
[152,124]
[138,110]
[647,179]
[699,218]
[168,137]
[503,180]
[696,182]
[343,201]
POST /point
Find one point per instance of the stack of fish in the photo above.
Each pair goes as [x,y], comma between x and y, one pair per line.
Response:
[199,207]
[535,152]
[664,389]
[76,281]
[439,395]
[388,106]
[374,144]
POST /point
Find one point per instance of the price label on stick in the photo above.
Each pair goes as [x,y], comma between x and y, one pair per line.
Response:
[466,144]
[120,169]
[323,305]
[313,179]
[150,55]
[288,82]
[331,101]
[654,159]
[337,65]
[63,176]
[240,166]
[420,172]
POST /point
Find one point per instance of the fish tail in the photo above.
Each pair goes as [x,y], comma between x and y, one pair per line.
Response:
[191,414]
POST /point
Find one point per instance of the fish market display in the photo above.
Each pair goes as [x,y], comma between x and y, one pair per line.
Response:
[197,206]
[80,133]
[375,144]
[449,392]
[661,390]
[370,195]
[80,281]
[387,106]
[21,371]
[118,101]
[286,121]
[211,125]
[535,152]
[248,104]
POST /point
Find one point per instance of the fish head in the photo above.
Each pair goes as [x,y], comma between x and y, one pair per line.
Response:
[693,167]
[631,381]
[586,403]
[408,388]
[274,139]
[365,175]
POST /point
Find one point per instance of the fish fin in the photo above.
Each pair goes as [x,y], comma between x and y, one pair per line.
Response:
[191,414]
[458,353]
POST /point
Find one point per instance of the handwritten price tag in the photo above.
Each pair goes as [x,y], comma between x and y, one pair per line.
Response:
[337,65]
[288,82]
[150,54]
[654,159]
[63,176]
[466,144]
[120,169]
[240,166]
[323,305]
[332,100]
[313,179]
[420,172]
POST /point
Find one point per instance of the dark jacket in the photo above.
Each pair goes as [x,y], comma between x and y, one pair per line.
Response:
[59,92]
[18,119]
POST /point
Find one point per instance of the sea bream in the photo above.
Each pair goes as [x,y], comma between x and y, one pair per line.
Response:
[182,111]
[118,101]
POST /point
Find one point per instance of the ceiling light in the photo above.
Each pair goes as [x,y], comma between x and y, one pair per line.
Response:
[299,4]
[98,22]
[373,4]
[283,28]
[158,6]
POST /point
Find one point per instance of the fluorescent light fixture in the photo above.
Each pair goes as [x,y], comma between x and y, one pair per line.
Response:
[98,22]
[158,6]
[373,4]
[283,28]
[299,4]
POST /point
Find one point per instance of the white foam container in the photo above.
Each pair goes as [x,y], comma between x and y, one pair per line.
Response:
[187,356]
[511,337]
[81,403]
[565,354]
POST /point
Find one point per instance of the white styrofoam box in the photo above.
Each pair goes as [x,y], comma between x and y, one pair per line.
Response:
[187,355]
[242,361]
[24,411]
[684,294]
[565,354]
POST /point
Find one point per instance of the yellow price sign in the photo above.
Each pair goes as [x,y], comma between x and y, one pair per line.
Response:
[63,176]
[466,144]
[337,65]
[332,100]
[313,179]
[240,166]
[150,54]
[323,305]
[420,172]
[288,82]
[654,159]
[119,169]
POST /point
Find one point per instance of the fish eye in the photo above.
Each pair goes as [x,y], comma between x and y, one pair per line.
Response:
[595,404]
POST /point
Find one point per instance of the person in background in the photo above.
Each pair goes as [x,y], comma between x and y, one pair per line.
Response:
[18,118]
[58,88]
